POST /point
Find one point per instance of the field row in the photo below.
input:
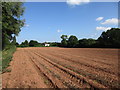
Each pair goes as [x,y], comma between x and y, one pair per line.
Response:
[66,68]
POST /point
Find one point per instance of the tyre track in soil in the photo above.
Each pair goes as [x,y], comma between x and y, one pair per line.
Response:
[100,80]
[92,83]
[65,78]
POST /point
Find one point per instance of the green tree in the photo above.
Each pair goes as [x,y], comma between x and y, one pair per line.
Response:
[33,43]
[64,40]
[17,44]
[83,43]
[11,22]
[110,38]
[14,40]
[72,41]
[24,44]
[87,42]
[64,43]
[64,37]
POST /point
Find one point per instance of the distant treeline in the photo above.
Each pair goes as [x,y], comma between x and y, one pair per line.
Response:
[34,43]
[108,39]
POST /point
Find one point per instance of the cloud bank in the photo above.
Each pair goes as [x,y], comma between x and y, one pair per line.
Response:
[77,2]
[112,21]
[103,28]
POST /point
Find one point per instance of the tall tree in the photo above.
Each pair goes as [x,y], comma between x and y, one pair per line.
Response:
[26,43]
[14,40]
[110,38]
[0,15]
[72,41]
[33,43]
[64,40]
[11,22]
[64,37]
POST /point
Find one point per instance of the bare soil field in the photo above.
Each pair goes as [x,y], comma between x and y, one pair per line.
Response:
[53,67]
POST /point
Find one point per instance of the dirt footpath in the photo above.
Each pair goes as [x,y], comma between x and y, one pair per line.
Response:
[52,67]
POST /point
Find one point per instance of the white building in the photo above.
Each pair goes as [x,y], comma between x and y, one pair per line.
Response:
[47,45]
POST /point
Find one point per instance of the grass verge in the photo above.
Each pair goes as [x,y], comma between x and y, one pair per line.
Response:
[7,55]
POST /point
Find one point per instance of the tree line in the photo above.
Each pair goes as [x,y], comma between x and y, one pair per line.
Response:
[108,39]
[34,43]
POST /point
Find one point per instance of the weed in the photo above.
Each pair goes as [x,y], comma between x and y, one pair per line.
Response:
[46,82]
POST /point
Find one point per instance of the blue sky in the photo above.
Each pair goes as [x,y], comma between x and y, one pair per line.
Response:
[47,21]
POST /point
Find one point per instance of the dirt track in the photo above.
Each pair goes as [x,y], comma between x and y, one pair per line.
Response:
[52,67]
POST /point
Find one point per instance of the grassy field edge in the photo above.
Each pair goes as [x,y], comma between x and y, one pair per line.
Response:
[7,55]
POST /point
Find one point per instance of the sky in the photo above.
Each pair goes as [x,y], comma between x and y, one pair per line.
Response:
[47,21]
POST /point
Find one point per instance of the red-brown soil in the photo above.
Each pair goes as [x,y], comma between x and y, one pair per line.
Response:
[53,67]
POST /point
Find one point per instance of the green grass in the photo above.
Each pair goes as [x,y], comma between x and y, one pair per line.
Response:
[7,55]
[0,61]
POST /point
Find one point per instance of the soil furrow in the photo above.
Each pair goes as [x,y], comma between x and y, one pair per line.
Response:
[53,67]
[46,71]
[102,81]
[73,74]
[80,56]
[71,82]
[88,65]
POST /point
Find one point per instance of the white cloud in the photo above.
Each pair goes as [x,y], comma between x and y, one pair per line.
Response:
[103,28]
[99,18]
[112,21]
[77,2]
[59,30]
